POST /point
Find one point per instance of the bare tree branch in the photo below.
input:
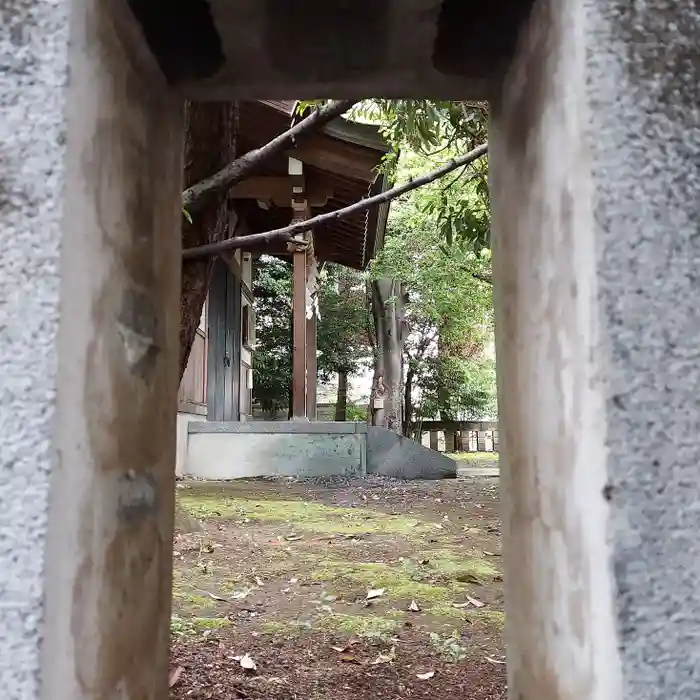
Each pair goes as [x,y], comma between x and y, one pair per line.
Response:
[483,278]
[287,232]
[194,197]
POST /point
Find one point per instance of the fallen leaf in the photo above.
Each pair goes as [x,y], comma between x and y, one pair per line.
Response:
[247,663]
[293,538]
[385,658]
[460,605]
[240,595]
[216,597]
[494,661]
[175,676]
[475,602]
[293,580]
[259,581]
[340,650]
[285,590]
[350,660]
[414,607]
[425,676]
[491,554]
[373,593]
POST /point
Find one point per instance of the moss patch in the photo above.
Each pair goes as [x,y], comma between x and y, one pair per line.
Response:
[446,610]
[302,515]
[484,457]
[287,628]
[359,625]
[451,566]
[180,626]
[396,580]
[487,619]
[439,580]
[191,602]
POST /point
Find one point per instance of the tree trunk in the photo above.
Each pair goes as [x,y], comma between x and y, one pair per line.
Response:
[388,304]
[408,401]
[341,403]
[210,144]
[444,395]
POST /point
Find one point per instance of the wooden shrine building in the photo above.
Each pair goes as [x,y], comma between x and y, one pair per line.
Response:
[325,171]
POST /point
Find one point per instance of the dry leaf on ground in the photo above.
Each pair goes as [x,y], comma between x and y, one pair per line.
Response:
[175,676]
[491,660]
[247,663]
[385,658]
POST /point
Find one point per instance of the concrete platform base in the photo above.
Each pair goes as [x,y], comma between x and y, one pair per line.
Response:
[230,450]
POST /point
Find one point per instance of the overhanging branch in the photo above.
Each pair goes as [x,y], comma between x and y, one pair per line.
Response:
[288,232]
[194,197]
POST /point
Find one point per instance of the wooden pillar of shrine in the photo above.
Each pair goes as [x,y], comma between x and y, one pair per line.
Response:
[300,212]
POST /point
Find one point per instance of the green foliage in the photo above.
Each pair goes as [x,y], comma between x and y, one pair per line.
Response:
[430,133]
[428,127]
[449,312]
[355,413]
[342,329]
[343,342]
[272,288]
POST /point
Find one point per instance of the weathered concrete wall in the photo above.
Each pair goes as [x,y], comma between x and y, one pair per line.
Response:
[595,162]
[237,450]
[644,91]
[393,455]
[89,287]
[182,439]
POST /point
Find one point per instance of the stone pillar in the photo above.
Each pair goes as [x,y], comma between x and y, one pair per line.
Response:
[561,631]
[433,440]
[595,162]
[90,142]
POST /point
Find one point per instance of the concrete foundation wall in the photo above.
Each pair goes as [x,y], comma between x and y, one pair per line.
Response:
[183,423]
[238,450]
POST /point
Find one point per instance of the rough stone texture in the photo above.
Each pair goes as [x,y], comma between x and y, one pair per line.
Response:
[393,455]
[644,91]
[241,454]
[33,75]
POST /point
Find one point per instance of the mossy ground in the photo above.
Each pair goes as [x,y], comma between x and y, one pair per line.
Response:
[290,563]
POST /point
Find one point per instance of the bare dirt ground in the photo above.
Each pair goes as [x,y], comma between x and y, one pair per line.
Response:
[355,589]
